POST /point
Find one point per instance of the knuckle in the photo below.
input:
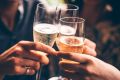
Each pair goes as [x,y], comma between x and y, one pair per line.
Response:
[14,60]
[21,42]
[18,51]
[18,48]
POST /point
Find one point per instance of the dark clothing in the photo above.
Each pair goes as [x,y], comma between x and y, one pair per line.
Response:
[22,31]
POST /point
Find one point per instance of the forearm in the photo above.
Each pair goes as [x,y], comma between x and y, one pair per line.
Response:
[116,75]
[113,73]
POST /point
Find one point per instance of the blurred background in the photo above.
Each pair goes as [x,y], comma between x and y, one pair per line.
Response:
[102,25]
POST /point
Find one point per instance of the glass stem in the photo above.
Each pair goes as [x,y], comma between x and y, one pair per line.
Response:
[38,74]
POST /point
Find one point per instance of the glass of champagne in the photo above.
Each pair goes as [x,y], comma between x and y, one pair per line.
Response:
[71,35]
[44,29]
[64,10]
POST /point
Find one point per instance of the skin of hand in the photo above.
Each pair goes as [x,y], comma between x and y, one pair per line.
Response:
[24,54]
[89,47]
[87,67]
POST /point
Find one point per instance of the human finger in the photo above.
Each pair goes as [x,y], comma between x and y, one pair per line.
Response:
[37,46]
[73,67]
[19,70]
[16,50]
[35,55]
[89,43]
[46,49]
[40,56]
[24,62]
[31,54]
[16,66]
[75,57]
[9,52]
[23,46]
[89,51]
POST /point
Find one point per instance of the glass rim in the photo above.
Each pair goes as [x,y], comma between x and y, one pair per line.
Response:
[76,7]
[80,20]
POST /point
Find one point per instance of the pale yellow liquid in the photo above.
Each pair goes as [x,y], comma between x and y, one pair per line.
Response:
[70,44]
[45,33]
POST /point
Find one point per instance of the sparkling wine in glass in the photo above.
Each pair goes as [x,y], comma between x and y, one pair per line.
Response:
[71,36]
[64,10]
[44,29]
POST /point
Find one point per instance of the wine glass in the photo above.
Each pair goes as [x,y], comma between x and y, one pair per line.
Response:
[64,10]
[44,29]
[71,35]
